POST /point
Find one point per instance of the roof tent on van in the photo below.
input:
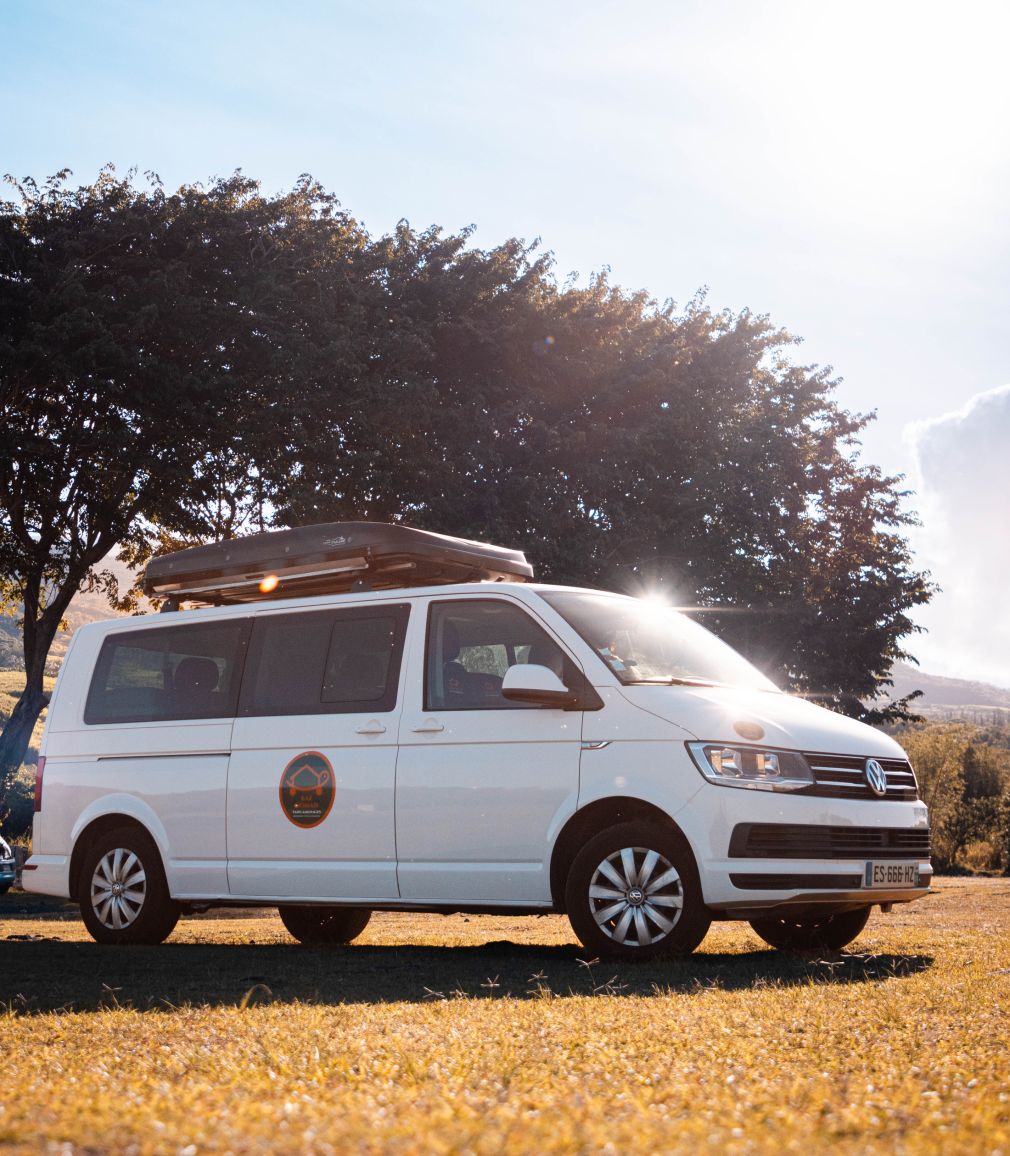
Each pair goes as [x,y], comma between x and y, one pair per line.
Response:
[330,558]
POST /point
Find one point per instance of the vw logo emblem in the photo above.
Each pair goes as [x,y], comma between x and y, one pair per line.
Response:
[876,779]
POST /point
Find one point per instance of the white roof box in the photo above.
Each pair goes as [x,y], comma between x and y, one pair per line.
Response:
[327,559]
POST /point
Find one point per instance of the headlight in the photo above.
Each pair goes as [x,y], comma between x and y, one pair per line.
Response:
[756,768]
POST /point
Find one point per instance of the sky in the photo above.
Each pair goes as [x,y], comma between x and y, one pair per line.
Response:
[841,167]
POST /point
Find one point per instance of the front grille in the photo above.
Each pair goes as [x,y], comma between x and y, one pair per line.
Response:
[797,882]
[809,841]
[843,777]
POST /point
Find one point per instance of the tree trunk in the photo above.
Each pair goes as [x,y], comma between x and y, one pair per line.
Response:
[17,732]
[16,736]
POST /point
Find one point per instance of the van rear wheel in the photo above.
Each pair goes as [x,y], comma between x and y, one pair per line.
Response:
[122,889]
[318,926]
[633,893]
[812,932]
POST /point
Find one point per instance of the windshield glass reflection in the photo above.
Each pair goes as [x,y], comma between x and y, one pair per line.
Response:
[644,643]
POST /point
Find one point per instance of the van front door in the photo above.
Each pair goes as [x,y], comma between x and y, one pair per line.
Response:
[310,781]
[483,784]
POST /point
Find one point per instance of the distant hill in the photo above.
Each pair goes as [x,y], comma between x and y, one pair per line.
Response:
[951,697]
[84,608]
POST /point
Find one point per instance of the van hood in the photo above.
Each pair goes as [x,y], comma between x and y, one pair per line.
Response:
[709,713]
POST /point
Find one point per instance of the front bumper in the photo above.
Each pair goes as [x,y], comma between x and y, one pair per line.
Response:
[762,851]
[752,902]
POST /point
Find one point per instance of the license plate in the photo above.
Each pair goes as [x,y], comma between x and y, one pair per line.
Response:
[892,875]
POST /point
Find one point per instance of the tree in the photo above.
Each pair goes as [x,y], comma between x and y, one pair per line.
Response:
[154,349]
[964,778]
[627,445]
[937,753]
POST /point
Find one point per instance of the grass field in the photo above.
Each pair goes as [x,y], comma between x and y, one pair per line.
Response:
[448,1034]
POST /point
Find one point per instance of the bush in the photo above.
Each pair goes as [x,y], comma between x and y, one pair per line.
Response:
[980,857]
[964,778]
[18,805]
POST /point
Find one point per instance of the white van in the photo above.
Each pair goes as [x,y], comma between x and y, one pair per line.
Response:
[377,718]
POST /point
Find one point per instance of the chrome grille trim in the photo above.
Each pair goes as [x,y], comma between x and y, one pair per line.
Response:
[841,777]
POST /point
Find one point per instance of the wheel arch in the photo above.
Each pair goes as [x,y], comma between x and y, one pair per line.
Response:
[595,817]
[95,829]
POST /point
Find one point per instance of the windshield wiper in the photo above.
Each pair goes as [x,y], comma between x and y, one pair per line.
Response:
[672,681]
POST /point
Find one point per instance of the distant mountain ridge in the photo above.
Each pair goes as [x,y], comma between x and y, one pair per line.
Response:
[84,608]
[940,693]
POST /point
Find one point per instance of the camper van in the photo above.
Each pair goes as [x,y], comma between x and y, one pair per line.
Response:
[358,717]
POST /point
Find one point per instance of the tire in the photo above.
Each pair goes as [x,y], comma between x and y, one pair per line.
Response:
[319,926]
[812,932]
[633,893]
[123,893]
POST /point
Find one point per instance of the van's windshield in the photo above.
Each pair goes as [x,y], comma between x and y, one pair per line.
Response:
[644,643]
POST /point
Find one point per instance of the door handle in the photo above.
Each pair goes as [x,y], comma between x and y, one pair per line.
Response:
[430,726]
[372,727]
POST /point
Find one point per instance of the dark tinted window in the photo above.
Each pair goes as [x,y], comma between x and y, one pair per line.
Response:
[174,672]
[360,660]
[472,644]
[325,662]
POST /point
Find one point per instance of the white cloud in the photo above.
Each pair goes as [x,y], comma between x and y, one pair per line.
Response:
[963,463]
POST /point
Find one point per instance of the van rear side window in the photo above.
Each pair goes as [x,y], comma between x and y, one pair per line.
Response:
[175,672]
[325,662]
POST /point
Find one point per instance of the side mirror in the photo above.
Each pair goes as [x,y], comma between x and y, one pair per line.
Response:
[538,686]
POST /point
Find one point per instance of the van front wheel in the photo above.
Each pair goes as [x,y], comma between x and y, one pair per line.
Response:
[633,893]
[123,892]
[812,932]
[319,926]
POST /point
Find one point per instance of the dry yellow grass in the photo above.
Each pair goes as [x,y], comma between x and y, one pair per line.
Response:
[446,1035]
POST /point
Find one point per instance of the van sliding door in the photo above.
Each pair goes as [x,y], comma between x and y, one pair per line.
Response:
[310,782]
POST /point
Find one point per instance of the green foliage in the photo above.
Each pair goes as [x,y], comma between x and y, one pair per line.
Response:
[964,778]
[152,346]
[622,444]
[17,805]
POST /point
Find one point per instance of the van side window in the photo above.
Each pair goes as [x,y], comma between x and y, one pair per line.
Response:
[360,659]
[174,672]
[471,644]
[325,662]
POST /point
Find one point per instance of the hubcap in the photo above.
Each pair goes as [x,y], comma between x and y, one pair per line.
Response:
[636,896]
[118,888]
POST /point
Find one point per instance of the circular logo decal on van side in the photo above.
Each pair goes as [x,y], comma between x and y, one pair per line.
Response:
[306,790]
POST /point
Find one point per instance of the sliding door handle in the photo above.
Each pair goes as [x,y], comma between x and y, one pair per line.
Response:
[372,727]
[430,726]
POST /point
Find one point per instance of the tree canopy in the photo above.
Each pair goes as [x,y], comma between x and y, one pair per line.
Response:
[964,777]
[152,348]
[190,365]
[623,444]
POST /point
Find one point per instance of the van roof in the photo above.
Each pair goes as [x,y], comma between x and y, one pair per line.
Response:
[527,592]
[330,558]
